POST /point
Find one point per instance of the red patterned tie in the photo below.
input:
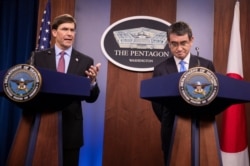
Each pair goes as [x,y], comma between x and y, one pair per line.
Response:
[61,63]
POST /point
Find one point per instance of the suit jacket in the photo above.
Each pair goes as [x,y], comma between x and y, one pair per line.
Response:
[166,116]
[72,118]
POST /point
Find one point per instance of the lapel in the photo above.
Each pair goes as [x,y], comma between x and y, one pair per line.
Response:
[193,61]
[74,61]
[171,65]
[49,57]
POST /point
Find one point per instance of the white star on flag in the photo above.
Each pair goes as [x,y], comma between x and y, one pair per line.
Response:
[44,35]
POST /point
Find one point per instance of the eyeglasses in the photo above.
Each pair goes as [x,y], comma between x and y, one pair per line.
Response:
[176,44]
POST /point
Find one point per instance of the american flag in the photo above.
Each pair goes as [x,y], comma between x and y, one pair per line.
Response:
[45,29]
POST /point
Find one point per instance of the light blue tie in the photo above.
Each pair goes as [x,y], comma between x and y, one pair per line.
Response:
[182,66]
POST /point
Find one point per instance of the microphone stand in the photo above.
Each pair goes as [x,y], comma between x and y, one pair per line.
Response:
[198,60]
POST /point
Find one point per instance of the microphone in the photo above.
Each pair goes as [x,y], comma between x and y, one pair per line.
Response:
[198,60]
[32,58]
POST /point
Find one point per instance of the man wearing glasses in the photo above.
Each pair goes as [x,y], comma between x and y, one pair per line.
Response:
[180,40]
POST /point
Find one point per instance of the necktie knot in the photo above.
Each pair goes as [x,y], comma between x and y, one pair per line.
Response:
[61,63]
[62,53]
[182,66]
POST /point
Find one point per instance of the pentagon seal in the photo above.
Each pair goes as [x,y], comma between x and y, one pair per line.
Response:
[198,86]
[22,82]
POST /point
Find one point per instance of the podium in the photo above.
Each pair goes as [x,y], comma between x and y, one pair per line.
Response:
[38,139]
[194,141]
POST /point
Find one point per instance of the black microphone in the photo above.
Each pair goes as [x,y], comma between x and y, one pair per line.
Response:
[198,60]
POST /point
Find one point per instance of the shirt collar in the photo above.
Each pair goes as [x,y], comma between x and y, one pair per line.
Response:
[186,59]
[67,52]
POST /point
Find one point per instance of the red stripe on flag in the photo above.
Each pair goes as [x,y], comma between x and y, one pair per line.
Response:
[236,76]
[234,129]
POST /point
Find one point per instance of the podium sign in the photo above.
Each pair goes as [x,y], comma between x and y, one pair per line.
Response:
[198,86]
[22,83]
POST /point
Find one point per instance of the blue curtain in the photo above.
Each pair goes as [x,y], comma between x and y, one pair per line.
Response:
[18,38]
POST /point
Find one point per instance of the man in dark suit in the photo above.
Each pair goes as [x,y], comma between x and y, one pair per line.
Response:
[76,63]
[180,40]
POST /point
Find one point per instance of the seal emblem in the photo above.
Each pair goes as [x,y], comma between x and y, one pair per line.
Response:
[198,86]
[136,43]
[22,82]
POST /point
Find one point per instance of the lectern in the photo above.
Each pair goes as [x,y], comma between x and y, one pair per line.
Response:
[195,140]
[38,139]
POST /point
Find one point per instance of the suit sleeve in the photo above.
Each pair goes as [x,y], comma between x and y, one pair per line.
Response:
[211,67]
[94,93]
